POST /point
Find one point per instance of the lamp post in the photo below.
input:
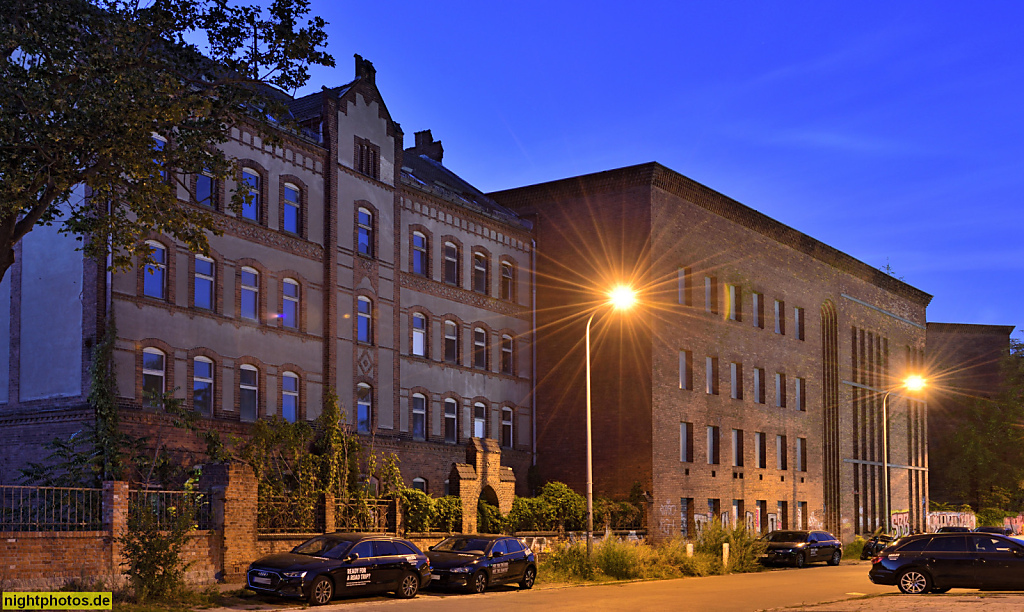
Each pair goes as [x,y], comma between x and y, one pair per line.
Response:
[620,298]
[911,383]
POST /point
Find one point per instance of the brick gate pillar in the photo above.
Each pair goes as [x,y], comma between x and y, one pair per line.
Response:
[233,490]
[115,519]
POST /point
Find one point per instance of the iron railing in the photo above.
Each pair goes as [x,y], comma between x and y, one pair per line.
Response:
[365,515]
[283,514]
[167,506]
[50,509]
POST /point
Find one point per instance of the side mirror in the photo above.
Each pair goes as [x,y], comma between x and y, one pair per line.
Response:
[430,548]
[1018,552]
[497,554]
[352,558]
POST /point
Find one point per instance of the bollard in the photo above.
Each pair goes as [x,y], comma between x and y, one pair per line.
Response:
[689,549]
[725,554]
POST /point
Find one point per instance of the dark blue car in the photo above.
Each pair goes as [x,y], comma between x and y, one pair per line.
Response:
[937,562]
[475,562]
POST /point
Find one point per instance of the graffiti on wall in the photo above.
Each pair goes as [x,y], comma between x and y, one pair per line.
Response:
[900,523]
[951,519]
[1015,523]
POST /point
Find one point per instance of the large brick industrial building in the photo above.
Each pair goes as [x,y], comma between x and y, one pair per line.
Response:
[747,385]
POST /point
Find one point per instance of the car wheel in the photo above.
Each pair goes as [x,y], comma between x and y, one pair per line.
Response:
[836,558]
[528,578]
[800,561]
[939,591]
[321,592]
[914,582]
[408,586]
[478,583]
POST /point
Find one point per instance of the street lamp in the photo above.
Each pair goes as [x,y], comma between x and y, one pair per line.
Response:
[619,298]
[911,383]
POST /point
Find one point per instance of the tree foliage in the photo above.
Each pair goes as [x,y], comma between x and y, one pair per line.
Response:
[86,84]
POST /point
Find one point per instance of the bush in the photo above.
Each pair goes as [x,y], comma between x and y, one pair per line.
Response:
[567,508]
[567,562]
[623,561]
[447,513]
[528,514]
[489,518]
[854,548]
[152,550]
[417,508]
[992,517]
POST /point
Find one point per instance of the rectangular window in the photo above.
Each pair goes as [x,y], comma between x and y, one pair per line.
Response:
[419,417]
[250,293]
[419,335]
[364,408]
[419,254]
[761,444]
[506,427]
[711,375]
[780,317]
[781,453]
[289,397]
[251,190]
[154,276]
[713,436]
[451,419]
[686,442]
[783,515]
[205,190]
[203,294]
[798,322]
[451,263]
[451,342]
[479,421]
[759,385]
[480,349]
[798,394]
[248,393]
[737,448]
[290,304]
[202,386]
[292,210]
[757,310]
[736,380]
[685,370]
[714,508]
[801,454]
[364,320]
[507,366]
[780,390]
[735,298]
[367,158]
[508,282]
[738,512]
[480,273]
[683,281]
[801,514]
[711,294]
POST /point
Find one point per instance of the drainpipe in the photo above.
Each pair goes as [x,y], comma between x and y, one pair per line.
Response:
[533,314]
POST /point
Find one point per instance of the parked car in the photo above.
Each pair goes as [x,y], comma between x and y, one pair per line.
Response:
[1006,531]
[953,529]
[342,564]
[798,548]
[937,562]
[475,562]
[875,545]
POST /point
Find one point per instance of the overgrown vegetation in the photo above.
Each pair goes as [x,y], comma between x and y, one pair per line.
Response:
[854,548]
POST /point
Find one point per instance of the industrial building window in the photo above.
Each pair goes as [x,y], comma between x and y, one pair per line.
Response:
[780,390]
[202,386]
[684,280]
[758,385]
[734,307]
[364,408]
[508,282]
[798,322]
[203,283]
[153,363]
[737,448]
[506,427]
[451,341]
[738,513]
[481,282]
[783,514]
[419,416]
[799,397]
[686,442]
[713,445]
[781,453]
[711,375]
[801,454]
[507,366]
[451,421]
[249,294]
[364,323]
[292,209]
[761,449]
[289,396]
[451,263]
[479,420]
[154,276]
[248,393]
[801,511]
[419,335]
[251,207]
[714,507]
[365,230]
[780,317]
[420,254]
[757,310]
[480,348]
[736,380]
[711,294]
[290,303]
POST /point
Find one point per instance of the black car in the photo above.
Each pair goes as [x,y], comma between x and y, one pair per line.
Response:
[953,529]
[798,548]
[875,545]
[937,562]
[476,562]
[342,564]
[1006,531]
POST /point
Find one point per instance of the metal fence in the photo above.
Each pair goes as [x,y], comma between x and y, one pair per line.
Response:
[282,514]
[167,506]
[366,515]
[50,509]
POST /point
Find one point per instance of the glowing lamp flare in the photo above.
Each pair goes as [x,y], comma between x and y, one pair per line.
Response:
[914,383]
[622,298]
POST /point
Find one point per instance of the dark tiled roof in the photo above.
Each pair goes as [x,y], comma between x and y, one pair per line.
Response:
[309,105]
[424,174]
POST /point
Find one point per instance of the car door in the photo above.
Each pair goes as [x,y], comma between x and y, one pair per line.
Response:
[516,559]
[998,562]
[947,560]
[499,562]
[388,565]
[355,577]
[813,548]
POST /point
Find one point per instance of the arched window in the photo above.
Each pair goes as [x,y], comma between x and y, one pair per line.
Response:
[364,320]
[249,294]
[289,396]
[292,209]
[480,276]
[508,282]
[419,416]
[203,283]
[480,348]
[251,188]
[420,250]
[420,484]
[202,386]
[507,365]
[451,263]
[248,393]
[154,281]
[365,223]
[506,427]
[364,407]
[451,341]
[419,335]
[290,303]
[153,375]
[479,420]
[451,421]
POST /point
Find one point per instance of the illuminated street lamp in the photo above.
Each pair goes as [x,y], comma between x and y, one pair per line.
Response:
[620,298]
[911,383]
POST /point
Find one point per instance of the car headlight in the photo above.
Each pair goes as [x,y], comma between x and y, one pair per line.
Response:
[783,550]
[462,570]
[294,574]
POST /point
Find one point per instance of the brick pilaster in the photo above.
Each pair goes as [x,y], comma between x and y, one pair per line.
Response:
[234,491]
[115,519]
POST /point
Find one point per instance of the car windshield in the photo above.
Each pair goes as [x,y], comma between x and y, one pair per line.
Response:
[322,546]
[787,536]
[475,546]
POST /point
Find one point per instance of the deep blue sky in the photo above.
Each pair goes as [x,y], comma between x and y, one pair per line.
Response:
[893,131]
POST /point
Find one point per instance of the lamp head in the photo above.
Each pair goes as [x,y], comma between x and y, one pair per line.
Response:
[622,297]
[914,383]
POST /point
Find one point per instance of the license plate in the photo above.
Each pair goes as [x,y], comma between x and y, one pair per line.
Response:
[261,580]
[764,556]
[435,576]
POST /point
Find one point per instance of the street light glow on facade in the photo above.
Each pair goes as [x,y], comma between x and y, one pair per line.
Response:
[914,383]
[622,297]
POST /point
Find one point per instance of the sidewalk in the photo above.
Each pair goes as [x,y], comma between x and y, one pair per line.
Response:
[970,600]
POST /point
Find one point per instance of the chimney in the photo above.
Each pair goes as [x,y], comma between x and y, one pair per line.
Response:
[426,145]
[365,70]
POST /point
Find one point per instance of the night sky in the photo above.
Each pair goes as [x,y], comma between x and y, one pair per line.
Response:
[892,131]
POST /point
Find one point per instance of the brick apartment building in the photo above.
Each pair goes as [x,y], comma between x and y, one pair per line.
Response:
[748,383]
[358,265]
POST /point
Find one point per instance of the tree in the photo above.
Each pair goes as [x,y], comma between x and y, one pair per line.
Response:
[111,99]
